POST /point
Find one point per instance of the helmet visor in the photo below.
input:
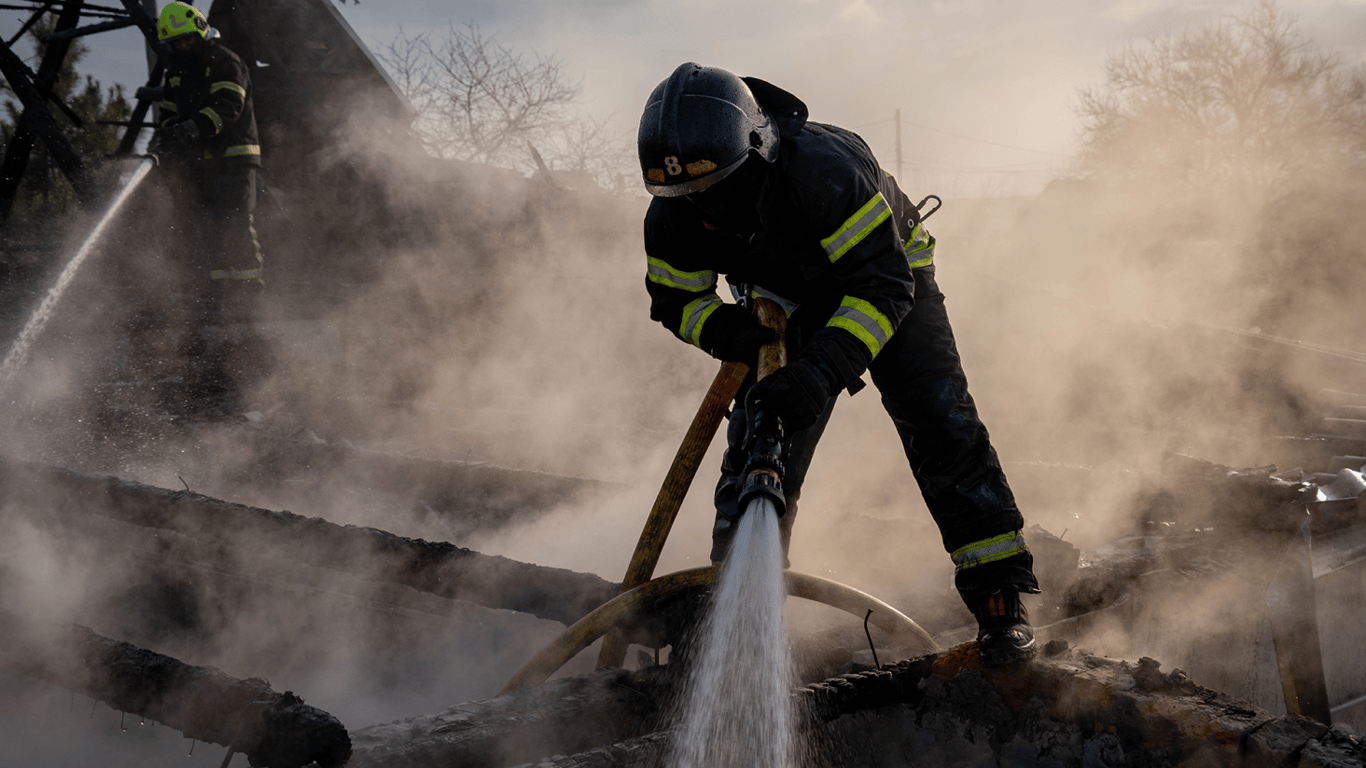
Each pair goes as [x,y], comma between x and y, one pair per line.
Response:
[694,185]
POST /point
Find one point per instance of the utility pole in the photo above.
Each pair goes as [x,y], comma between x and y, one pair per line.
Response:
[898,145]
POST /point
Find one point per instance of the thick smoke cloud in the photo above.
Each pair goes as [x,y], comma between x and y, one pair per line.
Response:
[505,322]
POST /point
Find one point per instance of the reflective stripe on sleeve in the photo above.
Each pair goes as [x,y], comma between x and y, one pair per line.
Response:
[242,150]
[694,315]
[228,85]
[990,550]
[174,82]
[169,106]
[694,282]
[864,321]
[213,117]
[856,227]
[920,247]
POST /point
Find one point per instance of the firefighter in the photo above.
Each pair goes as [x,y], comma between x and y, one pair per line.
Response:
[208,124]
[800,212]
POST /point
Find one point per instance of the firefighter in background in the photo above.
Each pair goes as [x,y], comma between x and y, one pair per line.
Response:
[746,187]
[207,123]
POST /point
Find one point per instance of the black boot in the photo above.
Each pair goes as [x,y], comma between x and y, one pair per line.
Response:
[1003,632]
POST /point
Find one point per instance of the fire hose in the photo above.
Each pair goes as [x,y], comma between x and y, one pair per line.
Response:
[763,477]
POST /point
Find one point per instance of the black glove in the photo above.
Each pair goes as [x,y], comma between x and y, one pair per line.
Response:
[798,391]
[180,134]
[174,142]
[734,335]
[144,93]
[742,345]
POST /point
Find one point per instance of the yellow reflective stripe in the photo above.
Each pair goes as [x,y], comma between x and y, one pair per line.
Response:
[788,306]
[856,227]
[658,271]
[228,85]
[921,245]
[175,82]
[169,106]
[990,550]
[694,315]
[259,273]
[213,117]
[239,150]
[864,321]
[925,262]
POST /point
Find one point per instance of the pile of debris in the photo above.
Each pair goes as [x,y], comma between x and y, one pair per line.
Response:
[1067,708]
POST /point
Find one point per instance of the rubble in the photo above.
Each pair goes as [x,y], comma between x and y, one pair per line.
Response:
[1067,708]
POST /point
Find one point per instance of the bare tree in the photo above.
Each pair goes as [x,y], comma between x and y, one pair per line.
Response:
[601,150]
[1245,100]
[477,100]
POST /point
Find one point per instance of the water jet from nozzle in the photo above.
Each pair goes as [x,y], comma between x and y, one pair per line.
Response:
[18,353]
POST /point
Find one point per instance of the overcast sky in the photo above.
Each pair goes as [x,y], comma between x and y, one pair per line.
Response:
[986,88]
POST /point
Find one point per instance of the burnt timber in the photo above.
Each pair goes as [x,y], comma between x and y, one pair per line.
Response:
[439,568]
[1068,708]
[270,728]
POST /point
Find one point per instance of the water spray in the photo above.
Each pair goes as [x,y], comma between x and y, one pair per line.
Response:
[18,353]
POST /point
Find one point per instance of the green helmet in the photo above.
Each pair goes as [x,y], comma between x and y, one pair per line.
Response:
[179,19]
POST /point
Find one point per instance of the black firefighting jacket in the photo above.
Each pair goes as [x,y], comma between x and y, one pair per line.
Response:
[835,245]
[214,90]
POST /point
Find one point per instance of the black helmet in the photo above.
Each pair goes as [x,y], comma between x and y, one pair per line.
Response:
[699,125]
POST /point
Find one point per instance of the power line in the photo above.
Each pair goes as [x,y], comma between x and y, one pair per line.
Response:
[984,141]
[961,136]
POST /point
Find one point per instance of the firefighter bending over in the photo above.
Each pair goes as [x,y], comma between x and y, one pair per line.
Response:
[800,212]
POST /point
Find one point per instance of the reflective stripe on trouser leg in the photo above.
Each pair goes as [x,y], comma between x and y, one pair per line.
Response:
[926,394]
[989,550]
[252,246]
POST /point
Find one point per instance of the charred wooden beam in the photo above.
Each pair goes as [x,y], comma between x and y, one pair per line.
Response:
[468,496]
[36,122]
[135,121]
[439,568]
[559,717]
[26,26]
[90,29]
[270,728]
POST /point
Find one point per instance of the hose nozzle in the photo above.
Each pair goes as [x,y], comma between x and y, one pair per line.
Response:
[764,470]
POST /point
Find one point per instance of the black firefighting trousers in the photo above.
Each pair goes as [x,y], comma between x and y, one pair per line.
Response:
[227,253]
[920,377]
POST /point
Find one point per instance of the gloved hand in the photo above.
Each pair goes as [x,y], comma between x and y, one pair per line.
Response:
[145,93]
[798,391]
[180,134]
[741,344]
[174,142]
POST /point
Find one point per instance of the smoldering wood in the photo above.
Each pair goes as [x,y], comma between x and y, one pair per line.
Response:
[466,496]
[561,716]
[1063,708]
[438,568]
[270,728]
